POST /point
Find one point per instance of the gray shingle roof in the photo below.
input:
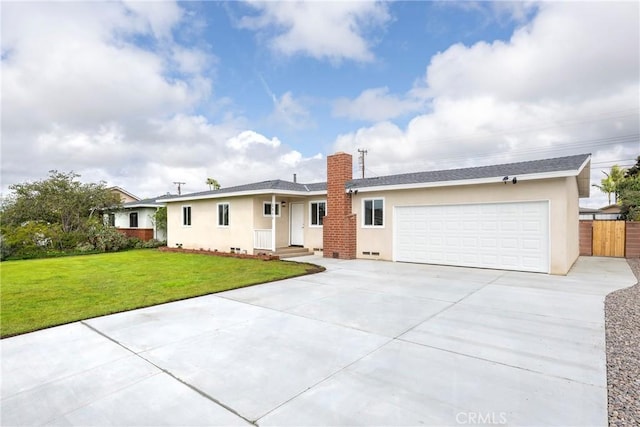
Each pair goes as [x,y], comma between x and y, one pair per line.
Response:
[147,202]
[568,163]
[276,185]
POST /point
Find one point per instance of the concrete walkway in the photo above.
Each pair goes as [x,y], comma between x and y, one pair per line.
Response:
[365,343]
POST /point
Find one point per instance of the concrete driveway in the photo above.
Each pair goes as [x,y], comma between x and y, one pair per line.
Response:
[364,343]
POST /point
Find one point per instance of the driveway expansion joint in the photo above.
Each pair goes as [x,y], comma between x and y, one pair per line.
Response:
[170,374]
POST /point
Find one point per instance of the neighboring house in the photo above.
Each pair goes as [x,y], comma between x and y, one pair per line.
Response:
[519,216]
[611,209]
[610,212]
[125,196]
[136,219]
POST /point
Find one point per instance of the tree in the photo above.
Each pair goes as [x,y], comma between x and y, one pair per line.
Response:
[160,218]
[610,183]
[629,193]
[59,199]
[606,186]
[617,175]
[213,184]
[57,213]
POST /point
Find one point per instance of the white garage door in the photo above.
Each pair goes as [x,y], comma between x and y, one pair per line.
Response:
[508,236]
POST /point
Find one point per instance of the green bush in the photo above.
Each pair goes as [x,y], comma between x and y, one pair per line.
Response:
[28,240]
[107,239]
[134,243]
[153,243]
[85,247]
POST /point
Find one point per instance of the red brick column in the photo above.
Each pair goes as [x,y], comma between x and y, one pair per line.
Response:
[632,239]
[586,237]
[339,225]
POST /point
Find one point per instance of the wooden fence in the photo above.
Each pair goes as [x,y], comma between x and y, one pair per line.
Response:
[610,238]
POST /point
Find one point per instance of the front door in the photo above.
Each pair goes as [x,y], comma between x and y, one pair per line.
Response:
[297,224]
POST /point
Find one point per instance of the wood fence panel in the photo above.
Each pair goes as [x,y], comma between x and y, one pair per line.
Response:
[608,238]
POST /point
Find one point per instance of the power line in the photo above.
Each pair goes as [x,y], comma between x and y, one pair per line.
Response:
[629,112]
[569,146]
[612,161]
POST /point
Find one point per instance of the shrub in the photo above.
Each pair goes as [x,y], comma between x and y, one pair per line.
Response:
[133,243]
[153,243]
[85,247]
[107,239]
[29,240]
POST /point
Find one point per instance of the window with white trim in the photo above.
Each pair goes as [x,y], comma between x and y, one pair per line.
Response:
[318,210]
[111,220]
[373,212]
[266,209]
[186,216]
[223,214]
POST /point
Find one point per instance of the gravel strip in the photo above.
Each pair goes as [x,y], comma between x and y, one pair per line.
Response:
[622,322]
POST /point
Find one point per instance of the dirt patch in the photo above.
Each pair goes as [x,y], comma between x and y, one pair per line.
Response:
[264,257]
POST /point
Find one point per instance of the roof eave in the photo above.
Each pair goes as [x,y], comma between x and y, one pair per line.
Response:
[477,181]
[143,205]
[584,178]
[267,191]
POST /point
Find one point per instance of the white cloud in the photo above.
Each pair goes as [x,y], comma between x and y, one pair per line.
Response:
[71,63]
[292,158]
[569,50]
[249,139]
[161,17]
[377,104]
[566,83]
[321,30]
[78,94]
[290,112]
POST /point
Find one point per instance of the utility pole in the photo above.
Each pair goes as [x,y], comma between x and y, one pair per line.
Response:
[179,184]
[361,160]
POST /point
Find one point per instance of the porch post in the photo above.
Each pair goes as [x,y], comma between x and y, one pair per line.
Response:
[273,223]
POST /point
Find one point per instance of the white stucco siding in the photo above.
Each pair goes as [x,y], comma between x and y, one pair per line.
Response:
[204,231]
[145,217]
[312,235]
[561,193]
[262,222]
[573,221]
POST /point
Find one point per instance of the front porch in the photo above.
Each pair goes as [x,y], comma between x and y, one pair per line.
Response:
[262,243]
[290,252]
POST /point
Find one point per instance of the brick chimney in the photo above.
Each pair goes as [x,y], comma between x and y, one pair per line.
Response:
[339,225]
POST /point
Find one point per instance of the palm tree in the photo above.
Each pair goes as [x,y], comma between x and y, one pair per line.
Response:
[213,184]
[617,175]
[609,184]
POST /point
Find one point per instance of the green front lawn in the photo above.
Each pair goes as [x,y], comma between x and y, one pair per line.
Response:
[36,294]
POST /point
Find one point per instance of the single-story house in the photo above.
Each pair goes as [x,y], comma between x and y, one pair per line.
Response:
[125,196]
[609,212]
[136,217]
[518,216]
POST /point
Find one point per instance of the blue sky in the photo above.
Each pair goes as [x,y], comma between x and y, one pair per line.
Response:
[142,94]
